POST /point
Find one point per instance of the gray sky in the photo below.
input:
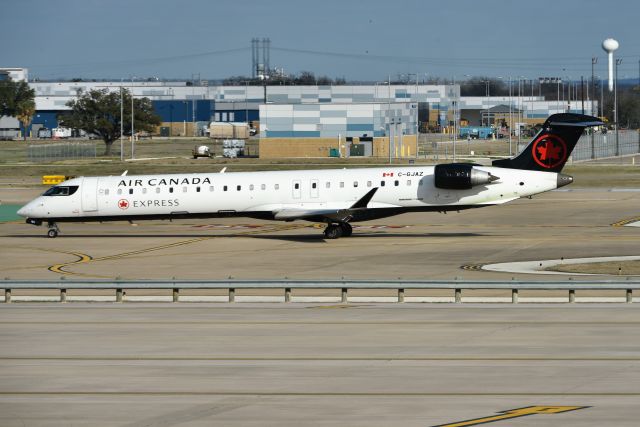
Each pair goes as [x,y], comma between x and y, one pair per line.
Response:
[361,40]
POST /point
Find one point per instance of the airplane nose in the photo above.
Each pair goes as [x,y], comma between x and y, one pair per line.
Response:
[23,211]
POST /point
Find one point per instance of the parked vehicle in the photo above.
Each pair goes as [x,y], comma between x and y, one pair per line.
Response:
[201,151]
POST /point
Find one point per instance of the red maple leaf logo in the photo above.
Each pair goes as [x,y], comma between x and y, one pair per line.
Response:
[123,204]
[549,151]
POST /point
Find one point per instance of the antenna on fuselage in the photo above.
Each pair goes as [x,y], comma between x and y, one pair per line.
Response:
[223,169]
[125,173]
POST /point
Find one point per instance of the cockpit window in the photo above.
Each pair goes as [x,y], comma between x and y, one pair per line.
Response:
[61,190]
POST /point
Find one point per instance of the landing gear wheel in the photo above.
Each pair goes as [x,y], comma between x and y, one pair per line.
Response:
[53,230]
[347,230]
[333,231]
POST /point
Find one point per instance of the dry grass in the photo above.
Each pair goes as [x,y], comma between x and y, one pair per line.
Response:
[623,268]
[174,156]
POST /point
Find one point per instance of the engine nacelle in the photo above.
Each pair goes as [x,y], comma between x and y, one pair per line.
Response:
[460,176]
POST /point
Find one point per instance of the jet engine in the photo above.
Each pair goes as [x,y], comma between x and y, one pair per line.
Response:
[461,176]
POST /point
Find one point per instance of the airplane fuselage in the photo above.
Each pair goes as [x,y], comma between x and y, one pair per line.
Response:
[266,194]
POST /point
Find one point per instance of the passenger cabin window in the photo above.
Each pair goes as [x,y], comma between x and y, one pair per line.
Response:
[263,186]
[314,185]
[368,183]
[170,189]
[106,191]
[296,186]
[144,191]
[65,190]
[239,187]
[341,184]
[408,182]
[224,188]
[355,183]
[119,190]
[276,186]
[197,189]
[328,184]
[131,191]
[157,190]
[251,187]
[396,182]
[382,183]
[184,189]
[211,188]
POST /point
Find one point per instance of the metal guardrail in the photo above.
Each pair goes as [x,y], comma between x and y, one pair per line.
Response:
[628,286]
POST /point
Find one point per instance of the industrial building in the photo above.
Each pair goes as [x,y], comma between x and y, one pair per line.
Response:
[361,129]
[319,113]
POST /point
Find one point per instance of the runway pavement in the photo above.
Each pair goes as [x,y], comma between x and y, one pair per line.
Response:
[560,224]
[318,365]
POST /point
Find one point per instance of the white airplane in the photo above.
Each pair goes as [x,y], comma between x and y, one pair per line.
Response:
[336,197]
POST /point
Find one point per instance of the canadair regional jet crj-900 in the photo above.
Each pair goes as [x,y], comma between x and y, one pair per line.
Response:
[336,197]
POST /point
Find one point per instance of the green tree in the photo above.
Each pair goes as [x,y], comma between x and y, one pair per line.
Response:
[17,100]
[98,112]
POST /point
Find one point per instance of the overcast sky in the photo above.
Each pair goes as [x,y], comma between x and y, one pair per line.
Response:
[360,40]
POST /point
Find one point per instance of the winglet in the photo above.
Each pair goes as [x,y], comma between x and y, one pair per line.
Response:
[364,201]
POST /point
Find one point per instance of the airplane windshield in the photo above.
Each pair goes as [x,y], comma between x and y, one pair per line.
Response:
[60,190]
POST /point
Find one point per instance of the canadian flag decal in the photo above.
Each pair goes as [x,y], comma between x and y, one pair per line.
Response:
[385,174]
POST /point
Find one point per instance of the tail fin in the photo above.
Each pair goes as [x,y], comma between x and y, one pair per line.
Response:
[552,146]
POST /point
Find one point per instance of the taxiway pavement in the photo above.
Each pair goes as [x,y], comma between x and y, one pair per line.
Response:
[560,224]
[316,365]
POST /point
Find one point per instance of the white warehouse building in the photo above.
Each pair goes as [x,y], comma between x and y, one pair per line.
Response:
[330,120]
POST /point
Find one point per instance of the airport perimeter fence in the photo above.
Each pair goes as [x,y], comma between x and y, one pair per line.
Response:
[62,151]
[600,146]
[625,287]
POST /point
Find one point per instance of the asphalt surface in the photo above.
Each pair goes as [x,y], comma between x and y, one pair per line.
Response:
[321,365]
[560,224]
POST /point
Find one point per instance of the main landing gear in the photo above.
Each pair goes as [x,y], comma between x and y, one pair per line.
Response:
[53,230]
[341,229]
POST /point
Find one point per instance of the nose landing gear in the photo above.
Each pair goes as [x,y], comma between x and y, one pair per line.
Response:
[53,230]
[335,231]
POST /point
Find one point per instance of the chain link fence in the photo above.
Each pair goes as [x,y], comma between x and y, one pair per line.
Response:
[62,151]
[599,145]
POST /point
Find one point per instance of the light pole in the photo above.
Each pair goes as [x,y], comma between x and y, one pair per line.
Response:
[246,98]
[453,105]
[510,119]
[133,139]
[389,112]
[171,114]
[488,90]
[615,105]
[558,95]
[121,123]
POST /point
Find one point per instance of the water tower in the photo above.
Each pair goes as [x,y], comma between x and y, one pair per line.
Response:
[610,46]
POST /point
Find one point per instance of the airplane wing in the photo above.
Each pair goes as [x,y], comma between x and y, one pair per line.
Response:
[338,215]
